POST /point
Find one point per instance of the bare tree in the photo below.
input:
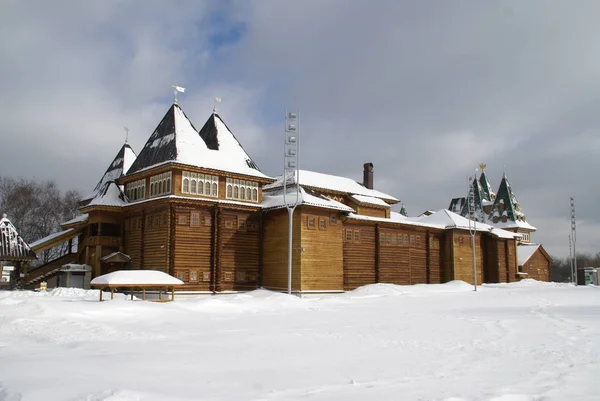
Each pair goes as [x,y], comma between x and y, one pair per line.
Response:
[37,209]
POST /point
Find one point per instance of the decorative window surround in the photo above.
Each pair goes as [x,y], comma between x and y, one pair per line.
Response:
[200,184]
[136,190]
[241,190]
[160,184]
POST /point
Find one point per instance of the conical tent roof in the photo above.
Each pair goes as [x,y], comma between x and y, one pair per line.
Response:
[478,198]
[119,166]
[175,139]
[486,187]
[506,203]
[12,246]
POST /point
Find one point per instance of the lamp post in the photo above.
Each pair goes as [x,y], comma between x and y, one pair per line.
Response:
[291,172]
[473,226]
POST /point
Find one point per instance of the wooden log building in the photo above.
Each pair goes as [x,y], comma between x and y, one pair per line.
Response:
[193,204]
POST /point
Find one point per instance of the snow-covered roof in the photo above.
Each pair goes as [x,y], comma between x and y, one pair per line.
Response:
[452,220]
[274,199]
[135,277]
[119,166]
[513,224]
[395,219]
[12,246]
[333,183]
[369,200]
[79,219]
[526,251]
[176,140]
[109,195]
[50,237]
[112,255]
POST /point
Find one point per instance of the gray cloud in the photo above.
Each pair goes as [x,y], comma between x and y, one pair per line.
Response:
[424,90]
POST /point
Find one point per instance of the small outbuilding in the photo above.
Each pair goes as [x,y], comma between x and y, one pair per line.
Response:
[137,279]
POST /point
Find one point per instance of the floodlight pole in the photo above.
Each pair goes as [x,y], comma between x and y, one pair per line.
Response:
[291,151]
[571,258]
[473,229]
[574,239]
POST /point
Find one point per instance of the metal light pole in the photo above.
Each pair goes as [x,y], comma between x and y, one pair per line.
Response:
[472,228]
[574,239]
[291,171]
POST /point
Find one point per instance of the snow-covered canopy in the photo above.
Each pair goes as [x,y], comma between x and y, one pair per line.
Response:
[136,278]
[274,200]
[333,183]
[79,219]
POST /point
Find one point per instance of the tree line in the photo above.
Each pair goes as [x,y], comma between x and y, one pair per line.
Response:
[37,208]
[561,267]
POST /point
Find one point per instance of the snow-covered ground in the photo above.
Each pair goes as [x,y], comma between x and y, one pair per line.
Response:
[519,342]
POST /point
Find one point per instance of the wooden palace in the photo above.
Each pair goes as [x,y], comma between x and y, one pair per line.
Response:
[193,204]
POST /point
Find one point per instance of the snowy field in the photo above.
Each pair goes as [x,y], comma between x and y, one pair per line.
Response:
[519,342]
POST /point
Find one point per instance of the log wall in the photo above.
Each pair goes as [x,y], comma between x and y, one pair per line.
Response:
[274,272]
[463,256]
[322,257]
[359,254]
[537,267]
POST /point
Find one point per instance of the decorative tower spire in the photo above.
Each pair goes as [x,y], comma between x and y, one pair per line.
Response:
[126,134]
[217,100]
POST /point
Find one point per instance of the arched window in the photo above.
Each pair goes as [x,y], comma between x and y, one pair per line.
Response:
[254,194]
[200,187]
[160,187]
[207,188]
[186,185]
[168,186]
[214,189]
[242,193]
[193,187]
[229,191]
[249,193]
[236,192]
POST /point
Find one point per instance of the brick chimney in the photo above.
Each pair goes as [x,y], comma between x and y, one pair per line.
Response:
[368,175]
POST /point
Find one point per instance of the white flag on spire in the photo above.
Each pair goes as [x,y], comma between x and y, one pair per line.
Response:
[178,88]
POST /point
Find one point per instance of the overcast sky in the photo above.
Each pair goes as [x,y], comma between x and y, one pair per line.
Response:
[425,90]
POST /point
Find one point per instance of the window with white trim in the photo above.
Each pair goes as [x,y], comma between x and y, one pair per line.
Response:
[136,190]
[241,190]
[199,184]
[160,184]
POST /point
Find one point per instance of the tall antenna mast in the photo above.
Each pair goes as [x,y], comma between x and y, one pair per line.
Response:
[472,219]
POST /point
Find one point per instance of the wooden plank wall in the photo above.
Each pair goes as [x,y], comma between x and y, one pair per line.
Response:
[447,254]
[435,258]
[239,249]
[537,267]
[193,246]
[395,257]
[502,261]
[463,256]
[359,256]
[370,211]
[274,273]
[322,258]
